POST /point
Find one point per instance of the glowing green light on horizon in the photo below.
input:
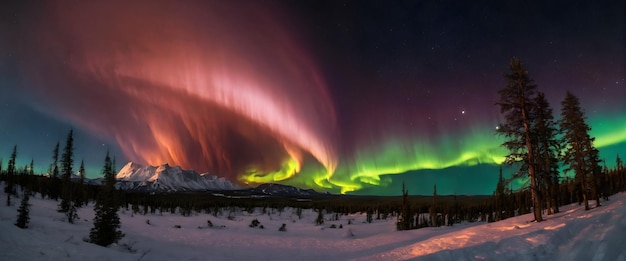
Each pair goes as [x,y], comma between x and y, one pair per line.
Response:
[375,165]
[608,131]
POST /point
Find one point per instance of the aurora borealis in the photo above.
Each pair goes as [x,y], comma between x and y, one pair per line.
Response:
[339,96]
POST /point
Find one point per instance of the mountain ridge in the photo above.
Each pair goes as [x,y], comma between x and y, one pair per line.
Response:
[166,178]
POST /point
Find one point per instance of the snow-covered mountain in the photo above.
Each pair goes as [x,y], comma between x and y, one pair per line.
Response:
[134,176]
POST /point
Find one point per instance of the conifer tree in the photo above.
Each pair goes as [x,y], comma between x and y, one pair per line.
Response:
[31,168]
[320,217]
[516,104]
[547,150]
[106,222]
[54,168]
[433,209]
[580,155]
[621,173]
[80,197]
[30,174]
[67,161]
[11,172]
[23,217]
[9,189]
[54,188]
[404,218]
[500,197]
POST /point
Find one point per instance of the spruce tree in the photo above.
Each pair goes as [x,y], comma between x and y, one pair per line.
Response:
[580,155]
[546,154]
[54,188]
[517,104]
[23,217]
[80,197]
[9,189]
[31,168]
[500,197]
[11,172]
[433,208]
[404,218]
[621,174]
[54,168]
[67,161]
[106,222]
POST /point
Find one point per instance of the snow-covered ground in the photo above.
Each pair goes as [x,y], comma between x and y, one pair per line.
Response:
[573,234]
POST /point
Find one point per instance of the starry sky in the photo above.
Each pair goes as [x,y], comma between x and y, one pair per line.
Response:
[339,96]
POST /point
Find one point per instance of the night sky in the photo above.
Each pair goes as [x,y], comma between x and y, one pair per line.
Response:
[339,96]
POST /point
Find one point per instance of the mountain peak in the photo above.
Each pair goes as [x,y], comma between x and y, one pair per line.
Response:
[164,177]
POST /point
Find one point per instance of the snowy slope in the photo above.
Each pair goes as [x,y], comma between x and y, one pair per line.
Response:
[573,234]
[166,178]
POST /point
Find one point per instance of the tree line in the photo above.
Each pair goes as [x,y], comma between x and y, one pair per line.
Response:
[73,193]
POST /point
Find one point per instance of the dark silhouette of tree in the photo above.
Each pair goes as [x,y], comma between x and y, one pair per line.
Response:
[23,217]
[106,223]
[54,188]
[80,193]
[516,104]
[9,189]
[369,215]
[54,167]
[320,217]
[621,174]
[31,168]
[404,218]
[433,209]
[547,149]
[67,162]
[580,155]
[500,197]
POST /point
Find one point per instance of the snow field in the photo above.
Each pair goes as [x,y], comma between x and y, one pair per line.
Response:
[573,234]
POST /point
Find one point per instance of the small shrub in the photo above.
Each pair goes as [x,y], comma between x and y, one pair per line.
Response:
[255,223]
[320,218]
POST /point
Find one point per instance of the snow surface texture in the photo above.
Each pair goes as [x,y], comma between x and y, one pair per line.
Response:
[166,178]
[573,234]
